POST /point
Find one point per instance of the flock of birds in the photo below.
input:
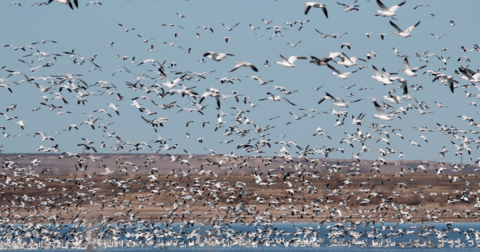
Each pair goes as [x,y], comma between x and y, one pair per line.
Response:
[299,172]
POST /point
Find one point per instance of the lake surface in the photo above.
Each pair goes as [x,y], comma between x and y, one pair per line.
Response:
[356,236]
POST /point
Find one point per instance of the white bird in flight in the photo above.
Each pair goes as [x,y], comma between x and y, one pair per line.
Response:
[382,114]
[243,64]
[404,33]
[340,74]
[289,62]
[410,71]
[67,2]
[388,12]
[216,56]
[309,5]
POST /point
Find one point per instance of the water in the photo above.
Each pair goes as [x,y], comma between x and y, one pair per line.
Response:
[239,237]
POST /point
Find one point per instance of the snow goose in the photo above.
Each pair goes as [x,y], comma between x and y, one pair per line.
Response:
[414,143]
[68,2]
[107,172]
[114,107]
[319,62]
[339,74]
[386,80]
[243,64]
[172,25]
[146,61]
[336,101]
[443,59]
[15,48]
[447,79]
[438,37]
[470,75]
[12,107]
[309,5]
[294,44]
[6,86]
[276,98]
[253,27]
[229,28]
[216,56]
[404,33]
[410,71]
[382,114]
[348,45]
[420,5]
[392,98]
[212,93]
[340,123]
[388,12]
[403,81]
[144,40]
[125,28]
[266,22]
[261,82]
[206,27]
[44,137]
[172,44]
[22,124]
[289,62]
[103,111]
[346,61]
[349,7]
[7,117]
[94,2]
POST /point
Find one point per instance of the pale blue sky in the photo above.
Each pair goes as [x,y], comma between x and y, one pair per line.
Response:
[89,30]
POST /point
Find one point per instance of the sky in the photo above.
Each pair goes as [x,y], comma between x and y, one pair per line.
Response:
[91,30]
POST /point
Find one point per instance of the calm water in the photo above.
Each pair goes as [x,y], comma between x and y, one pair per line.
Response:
[458,237]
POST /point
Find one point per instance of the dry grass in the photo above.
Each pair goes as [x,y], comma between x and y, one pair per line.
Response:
[144,202]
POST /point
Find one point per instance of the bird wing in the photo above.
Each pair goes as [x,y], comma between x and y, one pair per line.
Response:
[287,100]
[379,109]
[307,8]
[395,7]
[284,59]
[334,54]
[333,69]
[405,87]
[207,53]
[323,99]
[407,66]
[331,97]
[70,4]
[292,59]
[385,74]
[382,6]
[376,71]
[410,29]
[418,68]
[325,10]
[396,27]
[237,66]
[344,57]
[451,85]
